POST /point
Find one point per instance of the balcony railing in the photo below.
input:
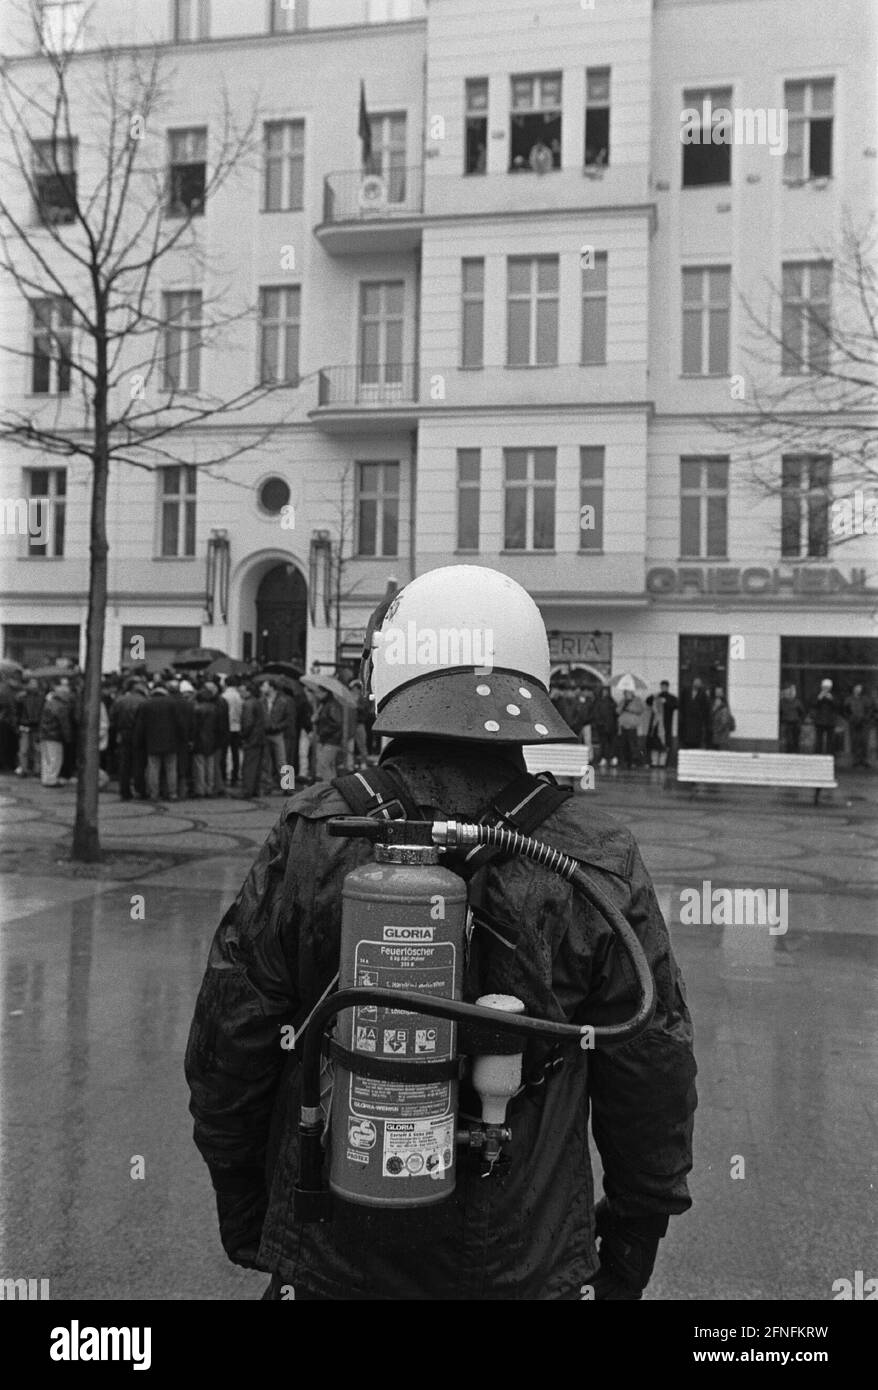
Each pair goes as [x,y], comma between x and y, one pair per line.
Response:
[389,384]
[360,196]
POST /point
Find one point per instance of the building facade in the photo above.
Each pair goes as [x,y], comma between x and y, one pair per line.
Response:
[515,310]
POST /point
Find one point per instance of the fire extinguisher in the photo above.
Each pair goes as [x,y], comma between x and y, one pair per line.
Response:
[393,1131]
[394,1104]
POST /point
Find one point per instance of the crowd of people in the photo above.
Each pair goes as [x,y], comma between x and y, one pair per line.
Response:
[632,730]
[180,736]
[175,736]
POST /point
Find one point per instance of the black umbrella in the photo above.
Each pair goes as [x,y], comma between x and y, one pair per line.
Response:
[195,657]
[283,668]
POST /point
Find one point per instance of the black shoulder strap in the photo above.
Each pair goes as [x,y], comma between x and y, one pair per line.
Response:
[523,804]
[377,792]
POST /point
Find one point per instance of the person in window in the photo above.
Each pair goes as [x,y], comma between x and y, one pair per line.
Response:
[540,158]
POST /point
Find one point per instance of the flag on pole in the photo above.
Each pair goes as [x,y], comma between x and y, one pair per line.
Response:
[365,129]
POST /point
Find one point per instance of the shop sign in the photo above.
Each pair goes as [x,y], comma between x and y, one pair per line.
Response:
[588,647]
[756,580]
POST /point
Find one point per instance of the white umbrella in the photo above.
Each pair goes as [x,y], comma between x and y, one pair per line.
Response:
[627,680]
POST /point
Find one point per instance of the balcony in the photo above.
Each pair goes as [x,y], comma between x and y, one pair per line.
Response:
[372,212]
[363,399]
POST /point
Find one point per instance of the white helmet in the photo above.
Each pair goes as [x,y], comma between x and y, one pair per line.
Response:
[461,653]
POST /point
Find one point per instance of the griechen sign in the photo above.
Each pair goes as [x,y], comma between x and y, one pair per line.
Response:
[755,581]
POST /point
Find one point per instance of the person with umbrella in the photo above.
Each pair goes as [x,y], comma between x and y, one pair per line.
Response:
[252,741]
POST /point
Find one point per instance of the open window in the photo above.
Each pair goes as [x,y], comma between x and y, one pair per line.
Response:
[535,124]
[476,137]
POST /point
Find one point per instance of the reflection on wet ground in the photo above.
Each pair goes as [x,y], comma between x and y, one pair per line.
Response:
[97,999]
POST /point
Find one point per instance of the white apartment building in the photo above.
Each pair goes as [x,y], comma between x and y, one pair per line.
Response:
[512,337]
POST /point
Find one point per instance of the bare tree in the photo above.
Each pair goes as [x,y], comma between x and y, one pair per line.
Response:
[88,216]
[824,402]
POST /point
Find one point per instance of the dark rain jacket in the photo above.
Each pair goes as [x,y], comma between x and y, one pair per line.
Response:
[527,1232]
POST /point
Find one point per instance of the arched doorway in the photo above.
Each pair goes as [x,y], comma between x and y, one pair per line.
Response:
[281,615]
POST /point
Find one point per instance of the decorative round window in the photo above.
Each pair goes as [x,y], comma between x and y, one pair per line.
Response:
[274,495]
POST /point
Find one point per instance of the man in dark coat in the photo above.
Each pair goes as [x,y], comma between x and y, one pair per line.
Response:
[695,715]
[825,715]
[252,741]
[30,707]
[129,753]
[157,733]
[528,1231]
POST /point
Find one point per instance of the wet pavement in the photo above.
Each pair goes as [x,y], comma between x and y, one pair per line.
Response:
[100,973]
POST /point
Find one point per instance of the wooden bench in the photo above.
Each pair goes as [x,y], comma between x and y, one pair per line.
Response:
[563,760]
[757,769]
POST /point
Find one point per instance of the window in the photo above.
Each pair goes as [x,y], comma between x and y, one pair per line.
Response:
[381,329]
[187,178]
[706,302]
[469,467]
[191,20]
[61,25]
[182,362]
[805,321]
[594,312]
[274,495]
[476,151]
[805,506]
[473,315]
[54,176]
[809,140]
[535,124]
[597,118]
[279,309]
[388,153]
[530,499]
[51,346]
[178,509]
[285,16]
[284,149]
[591,498]
[378,509]
[704,505]
[46,489]
[707,153]
[532,311]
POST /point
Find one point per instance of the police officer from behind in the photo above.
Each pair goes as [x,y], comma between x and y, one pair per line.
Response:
[527,1232]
